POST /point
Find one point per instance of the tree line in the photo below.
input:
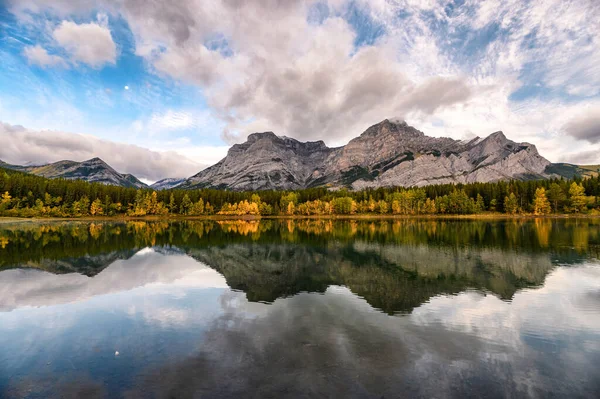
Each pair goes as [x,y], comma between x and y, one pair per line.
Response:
[27,195]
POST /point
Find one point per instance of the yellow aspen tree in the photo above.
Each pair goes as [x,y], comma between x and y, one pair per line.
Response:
[541,205]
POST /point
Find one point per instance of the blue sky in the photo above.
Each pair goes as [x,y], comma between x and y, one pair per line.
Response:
[176,84]
[106,99]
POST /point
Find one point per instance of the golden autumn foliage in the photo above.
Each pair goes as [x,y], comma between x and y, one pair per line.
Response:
[25,195]
[541,205]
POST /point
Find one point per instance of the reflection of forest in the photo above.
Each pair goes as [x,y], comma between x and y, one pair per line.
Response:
[390,277]
[394,265]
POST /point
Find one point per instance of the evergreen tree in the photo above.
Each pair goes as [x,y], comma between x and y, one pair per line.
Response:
[197,208]
[343,205]
[186,205]
[557,196]
[29,195]
[511,204]
[577,197]
[172,205]
[479,204]
[286,200]
[107,205]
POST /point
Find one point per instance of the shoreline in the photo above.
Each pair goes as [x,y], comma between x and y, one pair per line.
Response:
[484,216]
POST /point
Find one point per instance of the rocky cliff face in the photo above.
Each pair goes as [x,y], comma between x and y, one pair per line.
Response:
[93,170]
[264,161]
[386,154]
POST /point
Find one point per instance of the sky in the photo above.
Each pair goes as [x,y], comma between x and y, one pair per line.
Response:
[162,88]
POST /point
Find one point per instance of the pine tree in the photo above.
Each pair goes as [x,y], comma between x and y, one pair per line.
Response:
[286,200]
[511,204]
[197,208]
[557,196]
[85,205]
[107,205]
[186,205]
[577,199]
[172,204]
[479,204]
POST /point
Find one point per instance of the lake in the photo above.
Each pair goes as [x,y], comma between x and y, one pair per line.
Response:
[301,308]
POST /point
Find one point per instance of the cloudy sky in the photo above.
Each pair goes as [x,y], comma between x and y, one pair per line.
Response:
[161,88]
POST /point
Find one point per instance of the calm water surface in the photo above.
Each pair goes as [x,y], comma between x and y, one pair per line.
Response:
[300,309]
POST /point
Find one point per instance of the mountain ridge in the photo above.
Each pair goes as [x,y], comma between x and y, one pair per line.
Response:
[389,153]
[93,170]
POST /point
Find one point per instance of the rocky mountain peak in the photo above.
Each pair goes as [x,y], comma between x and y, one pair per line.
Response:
[397,129]
[499,145]
[95,161]
[260,136]
[497,136]
[269,141]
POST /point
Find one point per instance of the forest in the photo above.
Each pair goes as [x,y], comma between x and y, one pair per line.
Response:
[27,195]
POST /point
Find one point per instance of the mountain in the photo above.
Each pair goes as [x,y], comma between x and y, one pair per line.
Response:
[390,153]
[133,181]
[166,184]
[264,161]
[93,170]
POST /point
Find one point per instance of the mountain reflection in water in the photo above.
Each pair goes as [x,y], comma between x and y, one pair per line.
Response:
[288,308]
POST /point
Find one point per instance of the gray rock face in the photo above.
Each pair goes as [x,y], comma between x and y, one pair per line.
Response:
[386,154]
[264,161]
[93,170]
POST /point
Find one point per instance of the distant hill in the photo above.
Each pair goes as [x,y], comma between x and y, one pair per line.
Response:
[93,170]
[569,170]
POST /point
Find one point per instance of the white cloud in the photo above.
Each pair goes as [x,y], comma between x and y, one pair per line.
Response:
[586,125]
[589,157]
[283,73]
[199,123]
[172,120]
[280,72]
[491,318]
[207,155]
[148,269]
[90,43]
[37,55]
[24,146]
[303,80]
